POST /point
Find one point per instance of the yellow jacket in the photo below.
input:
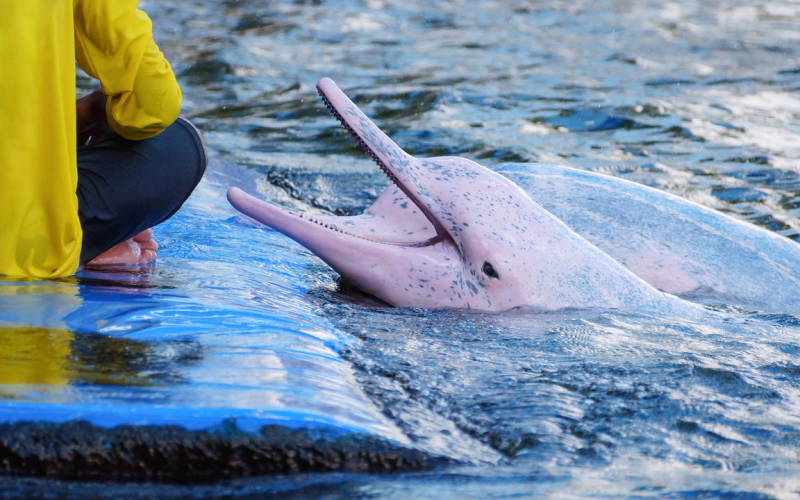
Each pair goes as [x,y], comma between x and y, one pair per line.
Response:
[40,233]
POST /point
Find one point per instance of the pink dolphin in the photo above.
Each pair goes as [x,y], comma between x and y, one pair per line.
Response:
[449,233]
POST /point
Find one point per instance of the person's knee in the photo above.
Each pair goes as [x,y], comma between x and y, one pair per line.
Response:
[127,186]
[197,144]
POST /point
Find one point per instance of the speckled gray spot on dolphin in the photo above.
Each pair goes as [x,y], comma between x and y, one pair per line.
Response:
[468,217]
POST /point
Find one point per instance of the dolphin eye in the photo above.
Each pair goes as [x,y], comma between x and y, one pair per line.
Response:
[489,271]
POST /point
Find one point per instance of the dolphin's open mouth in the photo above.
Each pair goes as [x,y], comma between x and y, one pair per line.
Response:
[425,240]
[400,237]
[382,150]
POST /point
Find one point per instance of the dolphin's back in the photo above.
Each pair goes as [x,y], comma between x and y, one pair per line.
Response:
[674,244]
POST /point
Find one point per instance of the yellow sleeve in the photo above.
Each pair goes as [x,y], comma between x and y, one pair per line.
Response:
[114,43]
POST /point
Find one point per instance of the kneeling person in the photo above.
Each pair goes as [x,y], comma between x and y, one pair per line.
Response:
[84,184]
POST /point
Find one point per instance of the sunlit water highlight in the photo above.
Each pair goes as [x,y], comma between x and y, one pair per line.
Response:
[697,98]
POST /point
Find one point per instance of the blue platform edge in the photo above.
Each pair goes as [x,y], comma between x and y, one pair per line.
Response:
[220,330]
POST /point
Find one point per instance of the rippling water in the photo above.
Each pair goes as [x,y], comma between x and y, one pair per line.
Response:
[701,99]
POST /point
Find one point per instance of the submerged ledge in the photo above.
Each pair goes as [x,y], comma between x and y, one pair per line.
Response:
[81,451]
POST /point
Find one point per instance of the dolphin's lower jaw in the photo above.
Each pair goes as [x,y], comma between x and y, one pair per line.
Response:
[403,273]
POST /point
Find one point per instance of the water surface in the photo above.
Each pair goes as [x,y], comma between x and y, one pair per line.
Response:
[701,99]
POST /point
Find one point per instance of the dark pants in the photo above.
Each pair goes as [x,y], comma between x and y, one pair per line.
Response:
[125,187]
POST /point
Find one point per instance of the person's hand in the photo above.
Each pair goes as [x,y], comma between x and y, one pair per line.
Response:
[91,117]
[140,249]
